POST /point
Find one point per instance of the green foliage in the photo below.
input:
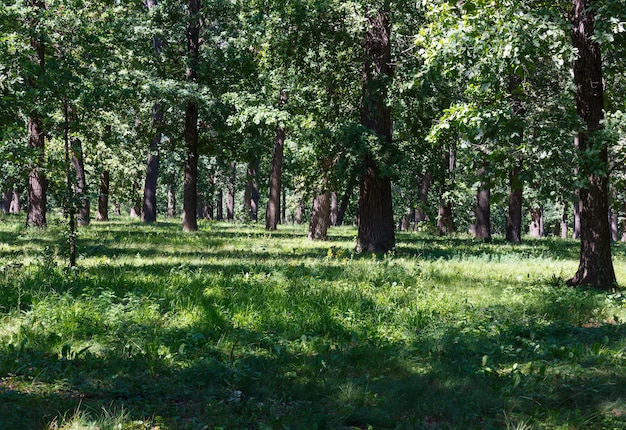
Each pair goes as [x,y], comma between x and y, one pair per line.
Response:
[234,327]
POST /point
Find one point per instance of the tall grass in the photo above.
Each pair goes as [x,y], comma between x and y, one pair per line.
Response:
[234,327]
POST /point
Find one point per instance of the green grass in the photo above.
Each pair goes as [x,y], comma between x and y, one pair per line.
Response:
[233,327]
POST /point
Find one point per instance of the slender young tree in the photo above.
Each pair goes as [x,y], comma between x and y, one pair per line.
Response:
[596,265]
[273,212]
[190,193]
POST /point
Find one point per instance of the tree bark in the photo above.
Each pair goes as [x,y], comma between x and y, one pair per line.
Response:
[220,205]
[171,201]
[345,200]
[445,217]
[251,194]
[80,189]
[334,208]
[576,232]
[376,226]
[37,183]
[320,216]
[596,265]
[273,212]
[149,213]
[483,207]
[422,198]
[564,223]
[6,200]
[190,192]
[537,227]
[103,197]
[15,206]
[514,217]
[230,202]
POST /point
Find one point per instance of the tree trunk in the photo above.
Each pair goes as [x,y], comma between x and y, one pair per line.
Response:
[624,223]
[171,201]
[272,214]
[537,227]
[135,209]
[190,193]
[376,226]
[320,216]
[220,205]
[80,189]
[251,194]
[345,200]
[576,232]
[514,217]
[445,217]
[422,198]
[6,201]
[15,206]
[614,225]
[230,202]
[103,197]
[596,265]
[149,213]
[483,207]
[334,208]
[299,213]
[69,204]
[37,184]
[564,223]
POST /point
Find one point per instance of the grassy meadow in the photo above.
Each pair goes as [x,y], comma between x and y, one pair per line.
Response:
[236,328]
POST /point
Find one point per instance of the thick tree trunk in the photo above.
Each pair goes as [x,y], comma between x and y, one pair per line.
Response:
[320,216]
[190,192]
[103,197]
[514,217]
[80,189]
[376,226]
[483,208]
[273,212]
[230,202]
[537,227]
[596,265]
[149,213]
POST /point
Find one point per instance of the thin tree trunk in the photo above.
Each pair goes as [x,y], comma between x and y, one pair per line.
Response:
[84,210]
[445,217]
[483,207]
[273,212]
[376,226]
[537,228]
[283,207]
[251,194]
[564,223]
[6,200]
[135,209]
[334,208]
[576,232]
[103,197]
[345,200]
[624,223]
[230,202]
[299,213]
[149,213]
[514,217]
[190,193]
[69,205]
[220,205]
[614,225]
[422,198]
[37,184]
[171,201]
[596,265]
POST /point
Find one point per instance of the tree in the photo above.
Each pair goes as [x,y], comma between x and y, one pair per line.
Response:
[596,265]
[376,226]
[272,213]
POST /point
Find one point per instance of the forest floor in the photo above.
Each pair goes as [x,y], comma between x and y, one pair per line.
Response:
[233,327]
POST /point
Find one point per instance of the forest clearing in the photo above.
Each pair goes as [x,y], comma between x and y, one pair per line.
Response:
[232,326]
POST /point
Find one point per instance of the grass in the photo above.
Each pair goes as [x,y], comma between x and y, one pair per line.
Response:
[233,327]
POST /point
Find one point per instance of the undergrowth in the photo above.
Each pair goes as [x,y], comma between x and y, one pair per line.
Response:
[234,327]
